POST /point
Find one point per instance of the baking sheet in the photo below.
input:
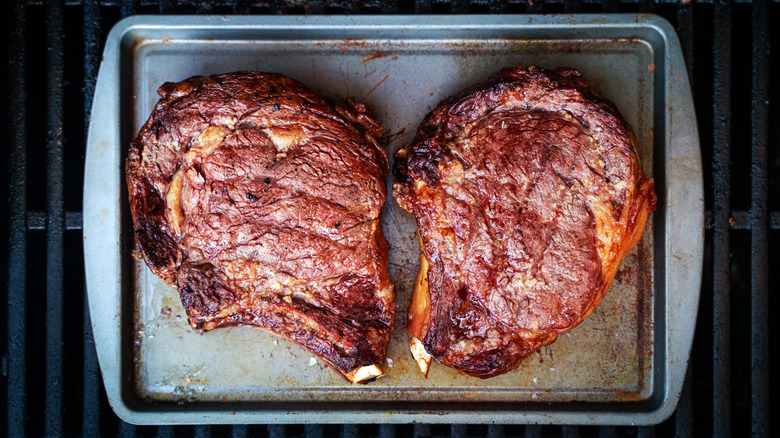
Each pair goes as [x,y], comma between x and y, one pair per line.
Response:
[617,366]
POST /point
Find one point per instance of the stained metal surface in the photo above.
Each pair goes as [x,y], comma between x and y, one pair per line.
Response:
[632,351]
[759,219]
[55,226]
[16,394]
[721,176]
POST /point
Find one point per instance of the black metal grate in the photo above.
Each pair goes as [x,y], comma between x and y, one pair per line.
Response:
[50,378]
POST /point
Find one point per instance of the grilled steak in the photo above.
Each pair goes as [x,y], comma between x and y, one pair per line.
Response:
[528,194]
[260,201]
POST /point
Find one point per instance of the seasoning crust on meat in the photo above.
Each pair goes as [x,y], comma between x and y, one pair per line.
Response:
[528,194]
[260,202]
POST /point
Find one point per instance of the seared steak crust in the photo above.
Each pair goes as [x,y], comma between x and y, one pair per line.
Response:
[528,193]
[260,201]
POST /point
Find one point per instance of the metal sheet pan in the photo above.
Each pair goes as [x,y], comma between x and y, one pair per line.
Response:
[624,365]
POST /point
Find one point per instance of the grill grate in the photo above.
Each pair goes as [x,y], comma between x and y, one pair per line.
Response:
[721,179]
[50,376]
[759,245]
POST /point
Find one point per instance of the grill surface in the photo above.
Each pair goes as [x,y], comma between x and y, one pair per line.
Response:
[49,375]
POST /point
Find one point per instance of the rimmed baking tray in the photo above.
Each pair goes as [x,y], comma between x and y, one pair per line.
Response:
[624,365]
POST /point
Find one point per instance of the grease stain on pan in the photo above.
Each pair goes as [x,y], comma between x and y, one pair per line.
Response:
[377,85]
[184,387]
[372,56]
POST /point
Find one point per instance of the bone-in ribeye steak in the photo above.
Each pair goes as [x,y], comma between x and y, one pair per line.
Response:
[528,194]
[260,202]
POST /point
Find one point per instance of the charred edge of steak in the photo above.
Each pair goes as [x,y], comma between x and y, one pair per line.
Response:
[425,160]
[344,341]
[155,237]
[492,362]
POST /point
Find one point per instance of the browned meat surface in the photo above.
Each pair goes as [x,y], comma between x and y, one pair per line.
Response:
[261,201]
[528,194]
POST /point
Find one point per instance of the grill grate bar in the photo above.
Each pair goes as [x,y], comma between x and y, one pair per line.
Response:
[683,418]
[607,432]
[91,386]
[645,432]
[240,431]
[37,220]
[127,7]
[275,431]
[17,247]
[388,431]
[570,432]
[202,432]
[91,29]
[685,32]
[646,5]
[166,6]
[609,6]
[349,431]
[721,177]
[165,432]
[55,220]
[740,220]
[458,431]
[460,6]
[243,6]
[422,430]
[126,430]
[572,6]
[312,430]
[759,243]
[533,431]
